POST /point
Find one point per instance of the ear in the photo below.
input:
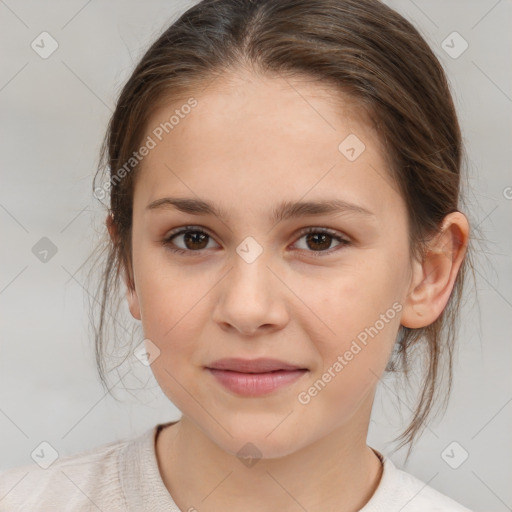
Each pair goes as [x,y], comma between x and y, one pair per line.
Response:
[433,279]
[131,294]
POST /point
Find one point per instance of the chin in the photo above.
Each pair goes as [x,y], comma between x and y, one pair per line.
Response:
[259,438]
[247,449]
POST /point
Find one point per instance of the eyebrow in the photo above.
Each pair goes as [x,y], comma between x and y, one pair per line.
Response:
[285,210]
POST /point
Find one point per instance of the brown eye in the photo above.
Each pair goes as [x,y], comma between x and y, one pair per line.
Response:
[190,240]
[319,240]
[195,240]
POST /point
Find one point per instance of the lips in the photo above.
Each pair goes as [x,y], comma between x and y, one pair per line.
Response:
[261,365]
[254,377]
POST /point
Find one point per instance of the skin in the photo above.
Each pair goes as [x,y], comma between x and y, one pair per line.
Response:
[250,143]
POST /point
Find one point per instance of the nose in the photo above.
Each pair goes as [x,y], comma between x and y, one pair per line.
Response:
[251,299]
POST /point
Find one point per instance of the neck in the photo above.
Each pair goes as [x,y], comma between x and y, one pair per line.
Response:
[339,472]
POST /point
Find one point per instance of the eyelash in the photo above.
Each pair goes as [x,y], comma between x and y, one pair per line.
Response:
[334,234]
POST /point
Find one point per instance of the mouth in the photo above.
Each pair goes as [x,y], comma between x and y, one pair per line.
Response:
[261,365]
[254,377]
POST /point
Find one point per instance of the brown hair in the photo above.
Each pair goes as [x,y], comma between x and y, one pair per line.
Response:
[365,50]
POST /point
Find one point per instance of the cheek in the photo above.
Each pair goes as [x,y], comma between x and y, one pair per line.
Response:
[166,292]
[346,301]
[360,306]
[172,314]
[352,359]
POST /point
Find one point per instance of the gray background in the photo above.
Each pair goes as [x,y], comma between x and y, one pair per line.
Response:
[53,115]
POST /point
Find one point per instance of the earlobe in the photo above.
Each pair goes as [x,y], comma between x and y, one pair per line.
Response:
[413,314]
[433,278]
[133,303]
[131,294]
[109,221]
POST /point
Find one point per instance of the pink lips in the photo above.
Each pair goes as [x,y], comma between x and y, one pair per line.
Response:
[254,377]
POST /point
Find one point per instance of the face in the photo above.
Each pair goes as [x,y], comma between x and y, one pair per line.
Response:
[243,283]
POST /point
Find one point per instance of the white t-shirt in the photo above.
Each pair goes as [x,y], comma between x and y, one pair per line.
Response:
[124,476]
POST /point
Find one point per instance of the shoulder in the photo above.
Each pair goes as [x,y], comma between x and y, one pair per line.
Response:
[403,491]
[424,497]
[85,481]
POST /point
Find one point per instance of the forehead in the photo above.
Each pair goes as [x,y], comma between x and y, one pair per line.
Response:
[260,139]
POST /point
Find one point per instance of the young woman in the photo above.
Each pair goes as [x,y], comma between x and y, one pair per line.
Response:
[284,182]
